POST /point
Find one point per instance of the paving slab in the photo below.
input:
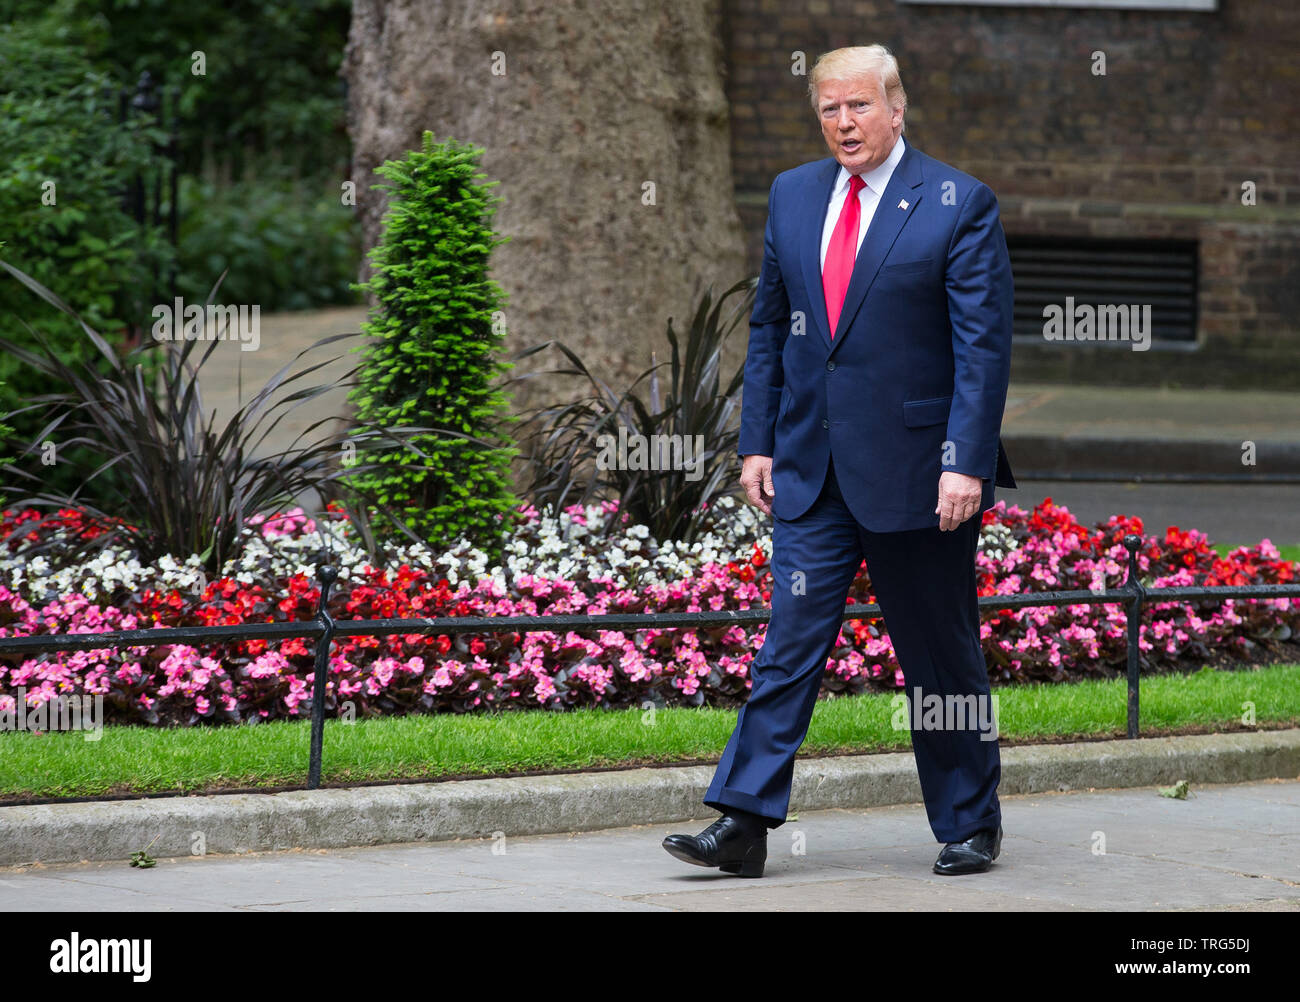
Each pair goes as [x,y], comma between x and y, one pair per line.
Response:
[1125,432]
[1232,847]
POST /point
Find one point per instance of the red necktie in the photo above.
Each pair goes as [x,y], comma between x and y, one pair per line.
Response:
[843,248]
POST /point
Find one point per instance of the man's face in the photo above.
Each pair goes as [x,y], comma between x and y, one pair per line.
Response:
[859,126]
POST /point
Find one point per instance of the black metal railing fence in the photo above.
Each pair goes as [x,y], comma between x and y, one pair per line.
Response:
[324,628]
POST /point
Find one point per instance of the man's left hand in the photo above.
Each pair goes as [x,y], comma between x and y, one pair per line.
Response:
[959,499]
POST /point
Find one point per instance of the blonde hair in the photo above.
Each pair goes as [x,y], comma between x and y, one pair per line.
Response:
[859,61]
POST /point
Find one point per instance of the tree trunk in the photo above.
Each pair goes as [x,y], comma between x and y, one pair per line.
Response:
[605,123]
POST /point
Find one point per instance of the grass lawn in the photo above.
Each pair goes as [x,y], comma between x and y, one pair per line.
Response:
[134,760]
[1289,551]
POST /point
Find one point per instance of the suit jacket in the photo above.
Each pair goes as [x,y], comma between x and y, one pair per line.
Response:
[915,380]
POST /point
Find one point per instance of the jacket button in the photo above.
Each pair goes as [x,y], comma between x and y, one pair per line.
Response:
[825,423]
[830,366]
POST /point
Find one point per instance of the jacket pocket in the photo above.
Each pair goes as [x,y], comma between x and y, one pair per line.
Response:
[907,267]
[919,413]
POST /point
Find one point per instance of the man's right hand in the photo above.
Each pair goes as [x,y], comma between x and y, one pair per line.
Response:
[756,478]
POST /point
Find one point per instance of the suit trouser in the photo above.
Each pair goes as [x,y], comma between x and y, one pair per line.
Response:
[924,581]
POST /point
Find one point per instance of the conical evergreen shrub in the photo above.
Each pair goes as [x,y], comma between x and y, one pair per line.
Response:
[439,323]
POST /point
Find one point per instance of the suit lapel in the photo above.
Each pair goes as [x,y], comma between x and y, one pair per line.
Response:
[810,242]
[887,222]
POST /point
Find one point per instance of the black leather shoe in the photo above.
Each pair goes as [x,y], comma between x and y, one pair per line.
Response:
[729,844]
[975,855]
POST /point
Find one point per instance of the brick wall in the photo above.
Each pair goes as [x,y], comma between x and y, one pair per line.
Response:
[1191,105]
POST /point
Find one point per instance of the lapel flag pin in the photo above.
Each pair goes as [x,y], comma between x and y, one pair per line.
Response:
[902,203]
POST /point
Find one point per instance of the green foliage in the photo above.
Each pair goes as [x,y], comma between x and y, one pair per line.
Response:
[568,447]
[284,245]
[437,325]
[261,140]
[269,90]
[1176,792]
[184,479]
[67,160]
[5,432]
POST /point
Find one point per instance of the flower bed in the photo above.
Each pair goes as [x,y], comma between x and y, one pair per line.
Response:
[555,567]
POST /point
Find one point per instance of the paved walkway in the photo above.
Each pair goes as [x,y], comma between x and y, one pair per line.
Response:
[1134,434]
[1049,429]
[1235,514]
[1227,847]
[1117,413]
[232,376]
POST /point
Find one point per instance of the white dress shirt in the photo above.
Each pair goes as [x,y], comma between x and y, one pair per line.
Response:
[868,197]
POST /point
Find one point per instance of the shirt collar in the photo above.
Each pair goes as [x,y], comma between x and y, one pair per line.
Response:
[877,178]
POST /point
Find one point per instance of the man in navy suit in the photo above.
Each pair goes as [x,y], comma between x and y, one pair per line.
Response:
[875,380]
